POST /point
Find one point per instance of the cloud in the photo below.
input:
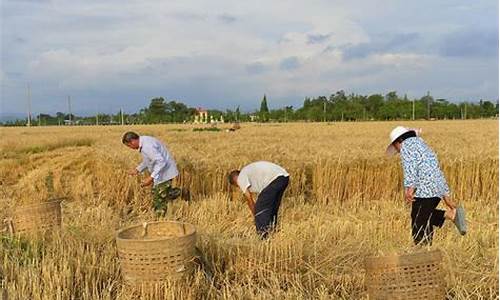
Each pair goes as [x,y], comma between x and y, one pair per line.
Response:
[256,68]
[317,38]
[382,44]
[470,43]
[226,18]
[290,63]
[225,53]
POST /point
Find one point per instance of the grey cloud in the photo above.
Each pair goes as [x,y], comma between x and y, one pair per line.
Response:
[470,43]
[256,68]
[317,38]
[29,1]
[290,63]
[187,16]
[329,48]
[226,18]
[381,44]
[109,42]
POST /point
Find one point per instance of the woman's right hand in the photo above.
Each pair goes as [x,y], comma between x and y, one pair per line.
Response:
[449,202]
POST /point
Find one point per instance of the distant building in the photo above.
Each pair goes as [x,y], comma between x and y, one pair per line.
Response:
[201,116]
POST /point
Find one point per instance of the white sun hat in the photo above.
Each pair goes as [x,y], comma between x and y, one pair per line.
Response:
[395,133]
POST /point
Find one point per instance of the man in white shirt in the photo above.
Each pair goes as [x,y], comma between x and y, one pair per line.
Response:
[161,166]
[269,181]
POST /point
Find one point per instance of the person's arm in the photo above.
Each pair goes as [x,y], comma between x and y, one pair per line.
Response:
[447,200]
[141,167]
[446,197]
[244,185]
[250,202]
[409,160]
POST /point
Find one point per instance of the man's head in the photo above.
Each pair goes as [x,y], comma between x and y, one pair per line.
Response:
[232,177]
[131,140]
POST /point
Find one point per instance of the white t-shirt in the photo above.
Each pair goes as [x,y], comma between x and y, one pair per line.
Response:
[258,175]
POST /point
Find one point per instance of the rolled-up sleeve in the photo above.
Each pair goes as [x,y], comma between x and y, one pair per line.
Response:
[142,166]
[409,160]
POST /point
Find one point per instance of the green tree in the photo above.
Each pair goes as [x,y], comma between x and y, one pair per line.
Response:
[156,111]
[237,113]
[264,110]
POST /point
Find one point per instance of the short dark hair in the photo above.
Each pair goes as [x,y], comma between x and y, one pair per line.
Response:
[231,175]
[129,136]
[405,136]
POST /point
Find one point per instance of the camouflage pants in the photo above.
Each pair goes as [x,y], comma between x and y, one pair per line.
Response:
[162,193]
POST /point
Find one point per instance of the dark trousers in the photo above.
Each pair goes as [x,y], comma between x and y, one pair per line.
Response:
[267,205]
[424,217]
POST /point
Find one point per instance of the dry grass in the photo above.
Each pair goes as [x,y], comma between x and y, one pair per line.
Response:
[344,203]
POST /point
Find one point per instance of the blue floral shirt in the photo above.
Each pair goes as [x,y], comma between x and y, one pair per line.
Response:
[421,169]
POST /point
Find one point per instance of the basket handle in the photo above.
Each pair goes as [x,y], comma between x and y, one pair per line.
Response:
[144,229]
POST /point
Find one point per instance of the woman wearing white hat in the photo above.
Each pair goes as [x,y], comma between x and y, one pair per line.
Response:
[424,185]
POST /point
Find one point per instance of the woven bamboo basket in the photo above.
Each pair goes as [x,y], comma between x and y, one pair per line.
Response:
[413,276]
[35,218]
[156,251]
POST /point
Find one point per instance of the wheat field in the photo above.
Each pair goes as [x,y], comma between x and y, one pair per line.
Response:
[344,203]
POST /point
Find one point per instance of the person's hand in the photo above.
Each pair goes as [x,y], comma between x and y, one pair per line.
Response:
[410,195]
[133,172]
[146,182]
[449,202]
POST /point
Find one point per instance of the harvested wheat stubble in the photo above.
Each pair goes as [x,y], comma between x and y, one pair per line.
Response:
[412,276]
[156,251]
[344,203]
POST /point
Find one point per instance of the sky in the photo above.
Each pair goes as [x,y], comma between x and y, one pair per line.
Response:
[222,54]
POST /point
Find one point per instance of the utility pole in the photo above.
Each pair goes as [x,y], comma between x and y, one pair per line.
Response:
[465,113]
[121,113]
[413,109]
[39,119]
[324,111]
[428,106]
[69,109]
[97,119]
[286,108]
[29,105]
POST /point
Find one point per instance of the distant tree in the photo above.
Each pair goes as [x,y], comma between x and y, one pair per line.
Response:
[157,106]
[392,96]
[373,105]
[488,108]
[264,110]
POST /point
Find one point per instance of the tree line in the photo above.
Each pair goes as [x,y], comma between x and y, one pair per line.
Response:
[336,107]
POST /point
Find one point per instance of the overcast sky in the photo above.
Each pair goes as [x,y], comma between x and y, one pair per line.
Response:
[220,54]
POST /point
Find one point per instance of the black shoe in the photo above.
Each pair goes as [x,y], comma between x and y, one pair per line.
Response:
[174,193]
